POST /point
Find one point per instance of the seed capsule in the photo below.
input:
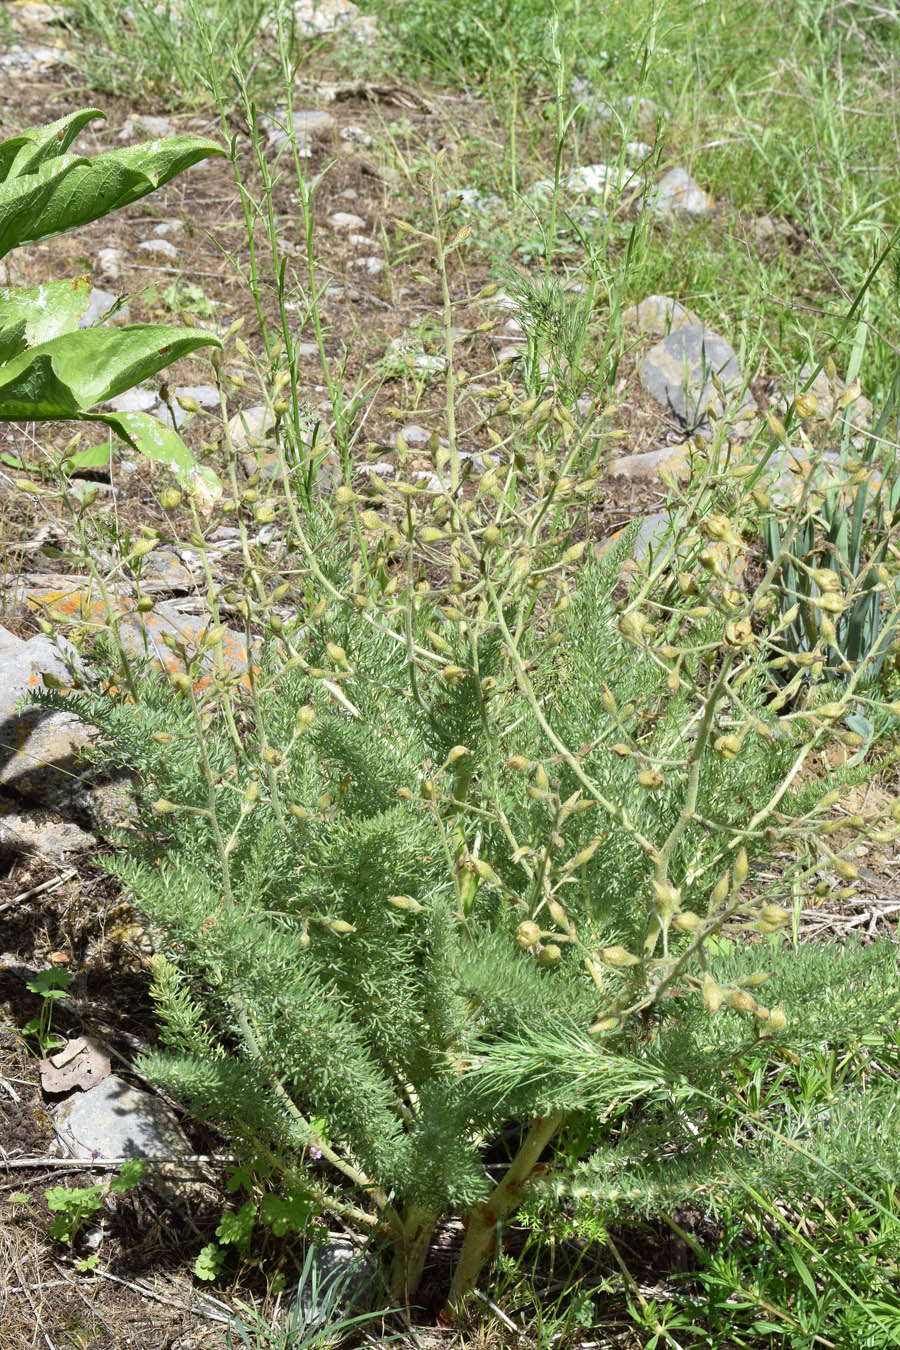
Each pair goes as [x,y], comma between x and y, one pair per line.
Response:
[528,933]
[741,867]
[713,994]
[728,746]
[550,955]
[687,921]
[618,957]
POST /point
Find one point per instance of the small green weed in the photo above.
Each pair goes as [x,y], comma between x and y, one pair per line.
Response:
[50,984]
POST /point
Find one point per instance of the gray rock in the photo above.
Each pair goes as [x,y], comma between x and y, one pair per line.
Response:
[334,16]
[36,15]
[678,372]
[34,60]
[114,1120]
[99,302]
[251,426]
[167,227]
[162,570]
[22,663]
[413,434]
[40,755]
[159,248]
[660,315]
[339,1283]
[639,150]
[676,193]
[109,263]
[205,395]
[345,220]
[144,637]
[652,539]
[509,354]
[39,832]
[349,195]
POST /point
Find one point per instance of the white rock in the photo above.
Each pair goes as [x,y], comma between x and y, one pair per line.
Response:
[159,248]
[374,266]
[601,179]
[356,135]
[109,263]
[677,193]
[156,128]
[134,400]
[345,220]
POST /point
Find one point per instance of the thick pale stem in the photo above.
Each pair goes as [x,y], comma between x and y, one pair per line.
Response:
[412,1251]
[505,1200]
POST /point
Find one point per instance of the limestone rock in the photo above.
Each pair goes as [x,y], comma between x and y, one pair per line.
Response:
[144,125]
[109,263]
[159,248]
[677,193]
[646,466]
[345,220]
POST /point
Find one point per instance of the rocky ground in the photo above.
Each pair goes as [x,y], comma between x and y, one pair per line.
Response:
[166,257]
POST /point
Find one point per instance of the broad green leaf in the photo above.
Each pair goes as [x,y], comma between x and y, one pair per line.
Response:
[94,457]
[69,191]
[72,373]
[40,313]
[164,446]
[23,153]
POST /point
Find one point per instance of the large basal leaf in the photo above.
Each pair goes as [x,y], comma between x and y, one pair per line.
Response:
[69,190]
[25,152]
[72,373]
[33,315]
[160,443]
